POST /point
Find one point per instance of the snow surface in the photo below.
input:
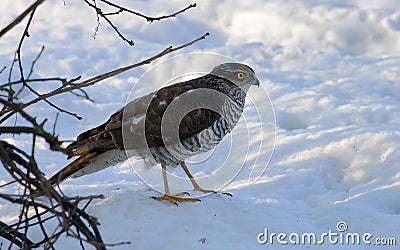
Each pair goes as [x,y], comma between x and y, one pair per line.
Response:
[331,70]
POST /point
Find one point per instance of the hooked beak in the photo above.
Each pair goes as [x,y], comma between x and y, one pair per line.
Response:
[256,81]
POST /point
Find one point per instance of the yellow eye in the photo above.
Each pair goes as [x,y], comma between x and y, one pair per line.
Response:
[240,75]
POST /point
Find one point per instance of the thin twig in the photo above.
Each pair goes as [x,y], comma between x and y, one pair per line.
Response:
[40,222]
[118,244]
[35,61]
[84,95]
[10,89]
[121,9]
[99,12]
[62,80]
[98,20]
[40,214]
[37,129]
[55,124]
[16,238]
[21,70]
[20,17]
[148,18]
[30,72]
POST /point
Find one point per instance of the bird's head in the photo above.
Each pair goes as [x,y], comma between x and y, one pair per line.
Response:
[240,74]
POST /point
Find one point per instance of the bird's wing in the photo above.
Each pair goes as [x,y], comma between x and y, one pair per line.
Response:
[108,135]
[146,128]
[71,168]
[141,119]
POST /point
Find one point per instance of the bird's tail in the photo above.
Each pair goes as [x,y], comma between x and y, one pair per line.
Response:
[70,169]
[65,173]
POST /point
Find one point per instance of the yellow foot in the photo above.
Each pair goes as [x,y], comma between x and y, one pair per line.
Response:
[175,199]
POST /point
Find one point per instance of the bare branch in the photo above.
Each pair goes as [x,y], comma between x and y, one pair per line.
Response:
[148,18]
[55,124]
[30,72]
[21,70]
[93,80]
[15,237]
[83,94]
[121,9]
[21,165]
[34,62]
[37,129]
[99,12]
[62,80]
[21,17]
[10,89]
[65,210]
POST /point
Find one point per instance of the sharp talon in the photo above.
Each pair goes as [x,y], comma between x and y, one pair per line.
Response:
[176,204]
[228,194]
[185,193]
[199,200]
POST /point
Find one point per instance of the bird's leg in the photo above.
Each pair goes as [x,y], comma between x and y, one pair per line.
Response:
[167,195]
[196,186]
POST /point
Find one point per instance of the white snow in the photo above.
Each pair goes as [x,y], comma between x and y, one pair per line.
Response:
[331,70]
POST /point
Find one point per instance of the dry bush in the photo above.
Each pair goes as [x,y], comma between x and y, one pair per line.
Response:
[66,215]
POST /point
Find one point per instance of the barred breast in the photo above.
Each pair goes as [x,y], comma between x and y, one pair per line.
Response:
[206,139]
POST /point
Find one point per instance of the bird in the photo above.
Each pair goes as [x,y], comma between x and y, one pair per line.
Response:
[197,114]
